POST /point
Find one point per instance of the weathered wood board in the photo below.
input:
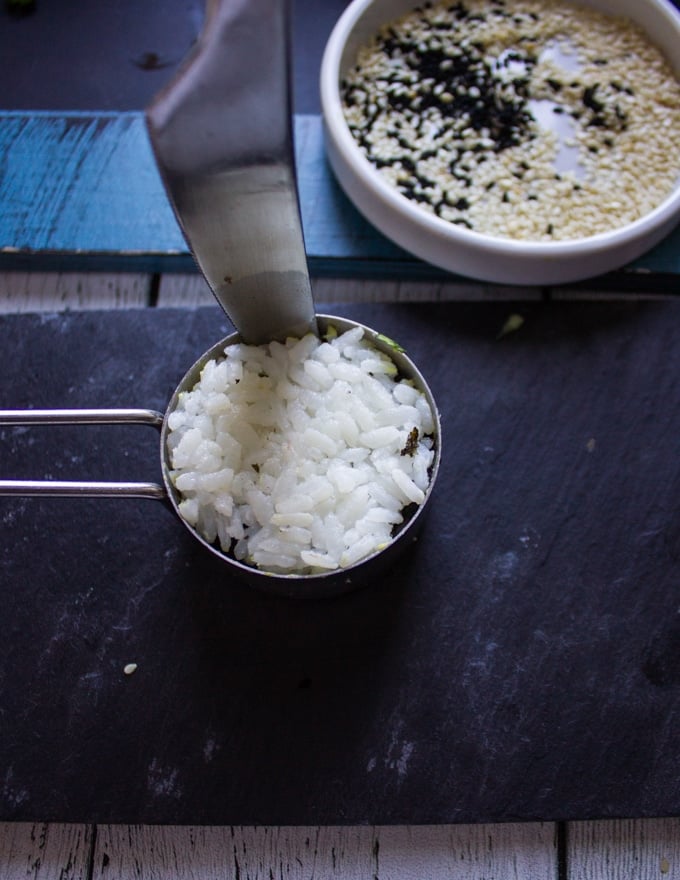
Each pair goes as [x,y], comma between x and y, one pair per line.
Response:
[82,190]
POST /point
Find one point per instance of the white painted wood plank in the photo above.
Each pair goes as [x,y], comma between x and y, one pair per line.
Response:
[504,852]
[58,291]
[44,851]
[341,290]
[192,290]
[581,293]
[177,290]
[632,849]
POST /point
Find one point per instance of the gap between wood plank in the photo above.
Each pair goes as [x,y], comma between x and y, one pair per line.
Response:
[93,850]
[562,831]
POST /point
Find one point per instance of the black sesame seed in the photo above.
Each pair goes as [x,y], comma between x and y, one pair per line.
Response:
[589,99]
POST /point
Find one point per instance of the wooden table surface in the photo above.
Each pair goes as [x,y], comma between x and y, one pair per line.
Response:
[591,850]
[135,261]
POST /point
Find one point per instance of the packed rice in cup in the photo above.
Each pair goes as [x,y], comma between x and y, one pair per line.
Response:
[303,457]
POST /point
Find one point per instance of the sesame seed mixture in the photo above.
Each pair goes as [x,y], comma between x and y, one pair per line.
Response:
[530,119]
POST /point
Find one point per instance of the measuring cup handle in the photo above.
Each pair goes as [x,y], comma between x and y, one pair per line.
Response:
[82,489]
[63,489]
[81,417]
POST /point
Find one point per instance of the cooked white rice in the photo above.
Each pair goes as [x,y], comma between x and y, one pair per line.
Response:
[301,457]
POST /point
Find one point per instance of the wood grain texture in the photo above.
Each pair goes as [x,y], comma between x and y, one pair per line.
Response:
[346,290]
[87,185]
[82,183]
[515,852]
[635,849]
[82,189]
[54,291]
[188,290]
[45,852]
[604,850]
[191,290]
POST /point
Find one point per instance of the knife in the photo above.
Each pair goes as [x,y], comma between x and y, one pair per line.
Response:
[221,134]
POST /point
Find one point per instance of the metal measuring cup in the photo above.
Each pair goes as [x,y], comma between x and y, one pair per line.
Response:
[301,585]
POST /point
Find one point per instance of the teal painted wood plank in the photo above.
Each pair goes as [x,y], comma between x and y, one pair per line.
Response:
[87,184]
[83,189]
[80,183]
[333,226]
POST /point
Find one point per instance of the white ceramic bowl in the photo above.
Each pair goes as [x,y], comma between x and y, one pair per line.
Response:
[450,246]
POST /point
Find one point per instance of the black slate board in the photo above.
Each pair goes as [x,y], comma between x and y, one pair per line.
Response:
[523,662]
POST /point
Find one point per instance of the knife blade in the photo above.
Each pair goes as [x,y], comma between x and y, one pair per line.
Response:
[221,133]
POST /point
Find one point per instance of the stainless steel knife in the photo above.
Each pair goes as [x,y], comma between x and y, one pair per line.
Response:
[222,137]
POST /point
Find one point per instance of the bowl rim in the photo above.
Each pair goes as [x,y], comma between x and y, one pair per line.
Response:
[343,141]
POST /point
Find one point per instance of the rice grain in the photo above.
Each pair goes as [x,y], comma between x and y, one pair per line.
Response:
[301,457]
